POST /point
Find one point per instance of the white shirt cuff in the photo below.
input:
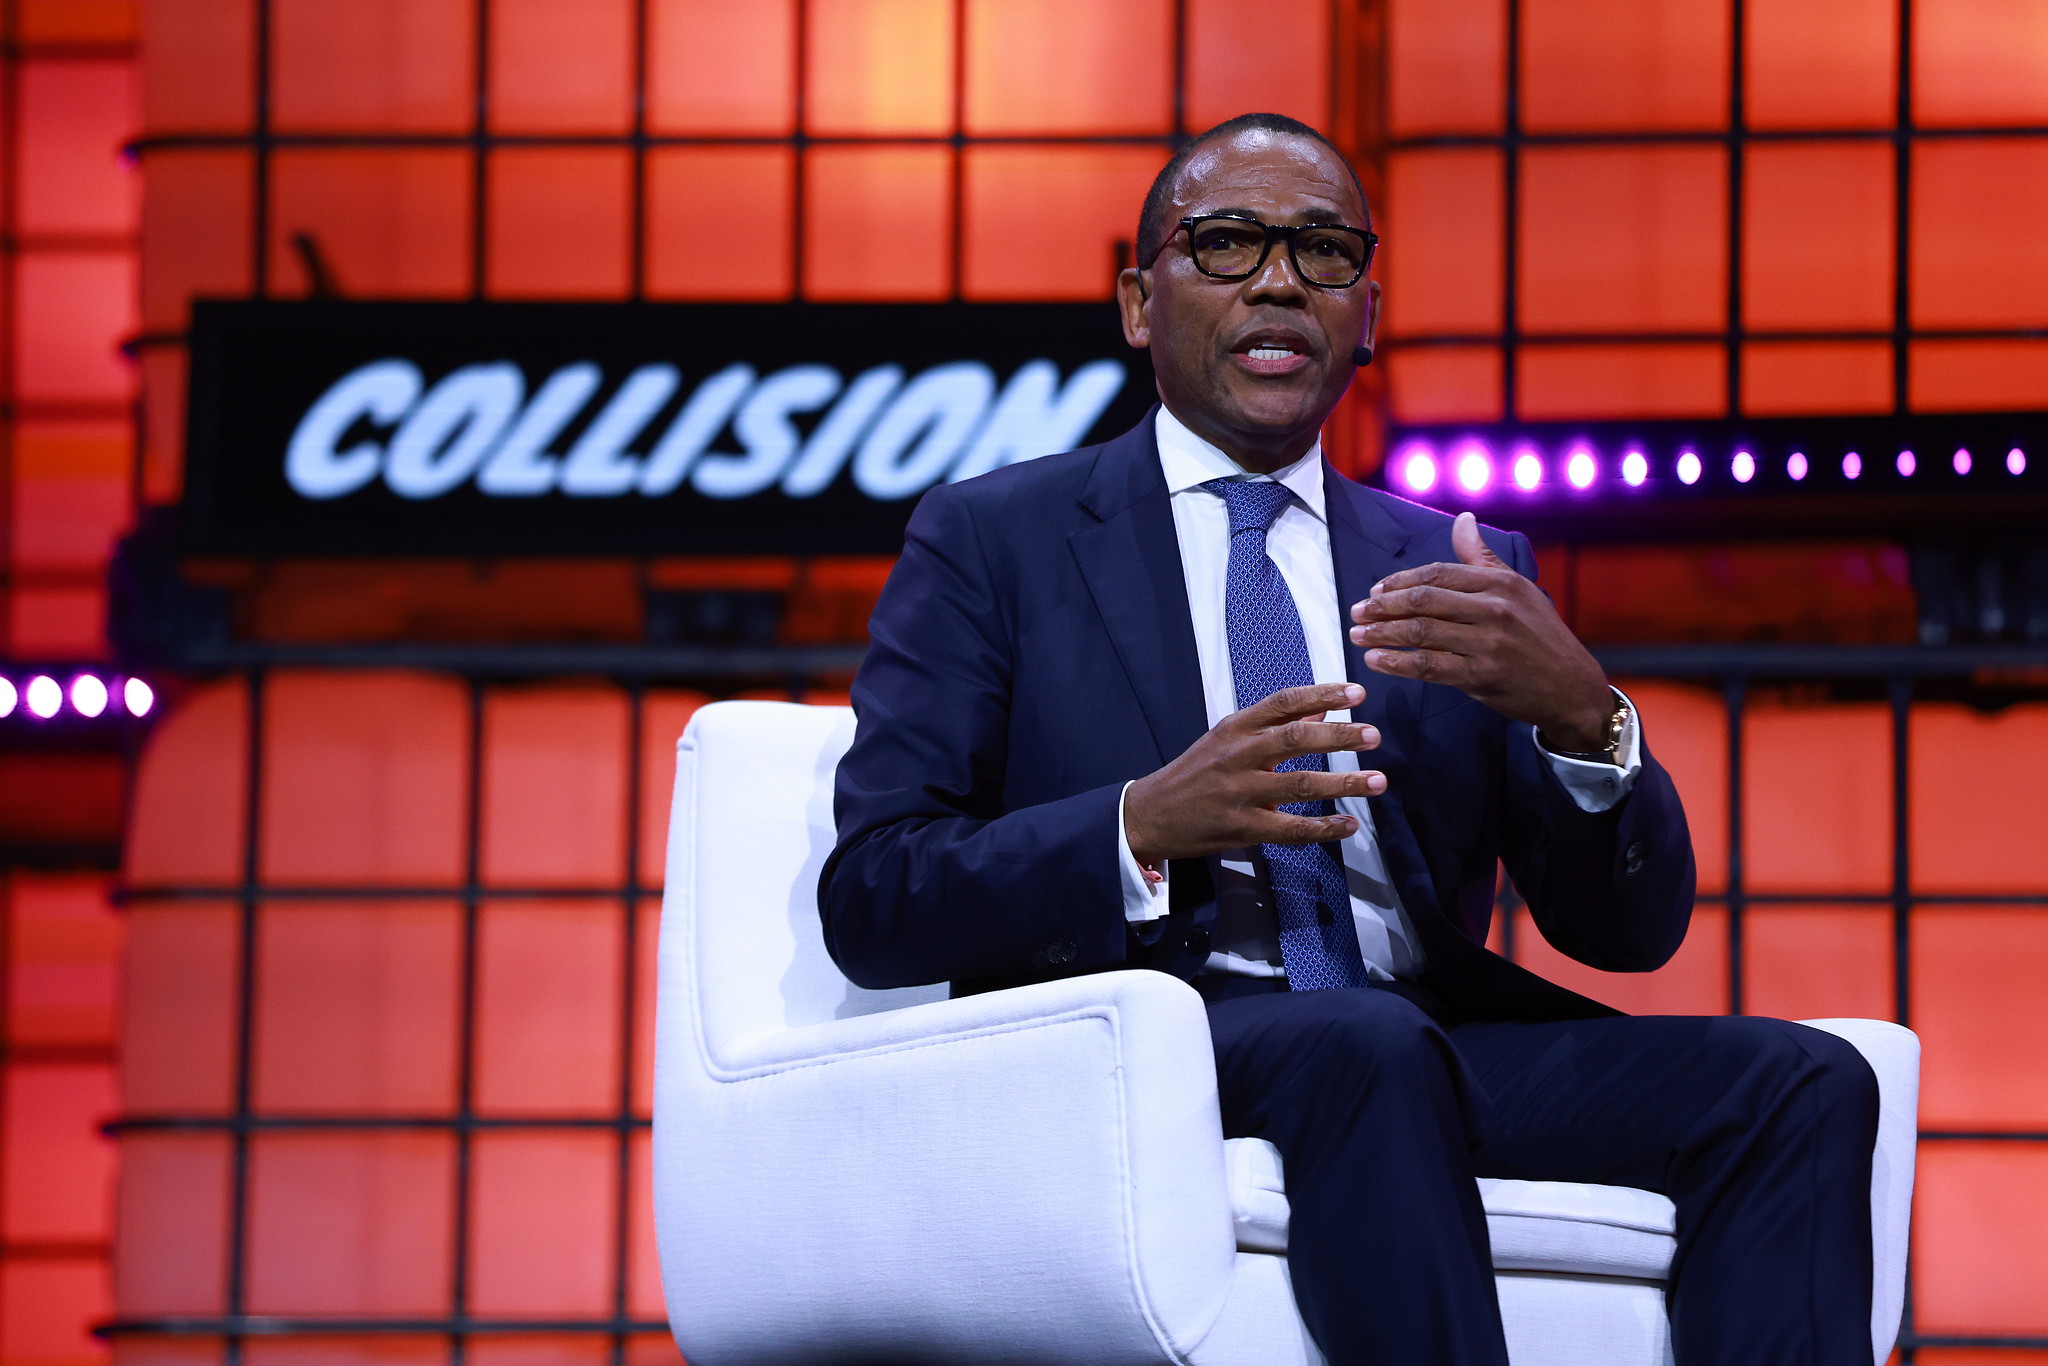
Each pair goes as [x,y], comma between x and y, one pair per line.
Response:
[1596,785]
[1143,899]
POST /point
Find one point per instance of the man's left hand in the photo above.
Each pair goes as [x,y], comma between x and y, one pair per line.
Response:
[1484,629]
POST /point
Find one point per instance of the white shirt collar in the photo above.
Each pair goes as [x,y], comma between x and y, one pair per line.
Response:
[1189,462]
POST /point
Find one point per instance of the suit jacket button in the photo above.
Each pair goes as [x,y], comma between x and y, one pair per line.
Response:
[1198,939]
[1634,854]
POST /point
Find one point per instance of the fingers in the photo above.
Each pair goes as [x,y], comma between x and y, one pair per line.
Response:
[1425,600]
[1313,785]
[1471,548]
[1457,578]
[1313,737]
[1421,633]
[1278,827]
[1428,666]
[1291,704]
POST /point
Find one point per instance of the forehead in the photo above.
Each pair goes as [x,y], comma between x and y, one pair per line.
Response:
[1280,175]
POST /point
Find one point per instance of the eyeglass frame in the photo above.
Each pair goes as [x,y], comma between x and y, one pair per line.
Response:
[1274,232]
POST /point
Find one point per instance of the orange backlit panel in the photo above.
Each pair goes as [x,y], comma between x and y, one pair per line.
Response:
[690,192]
[75,115]
[1009,192]
[1694,982]
[358,1007]
[178,1018]
[1445,61]
[1621,381]
[548,1022]
[717,67]
[1818,962]
[1979,376]
[1445,383]
[1978,63]
[202,68]
[171,1232]
[1980,214]
[1817,236]
[391,223]
[63,950]
[1279,65]
[1821,63]
[561,66]
[891,70]
[1633,64]
[363,779]
[1798,378]
[196,219]
[542,1223]
[1114,66]
[1981,1016]
[1817,798]
[554,787]
[1624,239]
[350,1223]
[71,493]
[396,65]
[1978,1259]
[59,1167]
[858,198]
[75,308]
[1974,829]
[559,223]
[1442,264]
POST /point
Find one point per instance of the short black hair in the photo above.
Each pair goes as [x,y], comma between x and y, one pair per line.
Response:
[1153,225]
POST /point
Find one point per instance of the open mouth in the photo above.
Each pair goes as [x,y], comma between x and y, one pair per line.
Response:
[1270,354]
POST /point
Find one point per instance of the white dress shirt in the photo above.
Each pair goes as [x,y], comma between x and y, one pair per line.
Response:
[1299,543]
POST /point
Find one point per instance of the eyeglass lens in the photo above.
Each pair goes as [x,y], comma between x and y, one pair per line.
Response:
[1323,256]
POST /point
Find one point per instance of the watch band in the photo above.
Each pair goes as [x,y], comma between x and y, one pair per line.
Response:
[1617,726]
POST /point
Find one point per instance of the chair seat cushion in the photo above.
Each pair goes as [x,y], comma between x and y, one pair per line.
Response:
[1557,1226]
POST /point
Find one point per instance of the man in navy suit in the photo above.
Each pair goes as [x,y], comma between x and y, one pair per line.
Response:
[1118,711]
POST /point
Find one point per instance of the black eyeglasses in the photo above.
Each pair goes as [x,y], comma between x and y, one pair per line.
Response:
[1232,247]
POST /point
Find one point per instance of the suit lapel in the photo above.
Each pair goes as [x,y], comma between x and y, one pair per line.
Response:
[1129,556]
[1366,545]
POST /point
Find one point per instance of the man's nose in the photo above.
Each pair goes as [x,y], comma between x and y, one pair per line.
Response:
[1276,280]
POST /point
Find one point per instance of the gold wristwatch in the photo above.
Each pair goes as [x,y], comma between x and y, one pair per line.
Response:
[1617,726]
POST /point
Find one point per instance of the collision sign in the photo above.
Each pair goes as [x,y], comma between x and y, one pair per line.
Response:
[324,427]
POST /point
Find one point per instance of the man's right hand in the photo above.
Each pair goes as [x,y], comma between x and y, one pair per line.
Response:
[1222,793]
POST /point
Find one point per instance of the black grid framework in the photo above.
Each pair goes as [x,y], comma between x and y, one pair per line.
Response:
[1899,676]
[1736,138]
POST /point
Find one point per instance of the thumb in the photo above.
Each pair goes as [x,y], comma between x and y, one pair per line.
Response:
[1465,539]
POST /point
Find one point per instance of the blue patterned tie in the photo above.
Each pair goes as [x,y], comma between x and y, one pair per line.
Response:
[1318,942]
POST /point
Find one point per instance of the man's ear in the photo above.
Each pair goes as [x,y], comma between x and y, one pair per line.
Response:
[1133,306]
[1368,338]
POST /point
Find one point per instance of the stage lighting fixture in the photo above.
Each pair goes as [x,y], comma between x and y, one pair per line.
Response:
[1907,464]
[1471,466]
[1688,467]
[1634,469]
[1852,466]
[1795,465]
[8,697]
[1743,467]
[1528,470]
[1417,464]
[2016,461]
[1579,468]
[44,696]
[88,695]
[1962,461]
[138,697]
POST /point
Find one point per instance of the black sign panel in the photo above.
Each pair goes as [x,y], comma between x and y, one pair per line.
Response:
[505,429]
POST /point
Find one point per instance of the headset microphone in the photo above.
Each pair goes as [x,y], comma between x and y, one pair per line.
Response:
[1361,356]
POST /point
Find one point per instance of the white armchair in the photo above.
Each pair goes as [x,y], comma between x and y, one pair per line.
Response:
[1035,1175]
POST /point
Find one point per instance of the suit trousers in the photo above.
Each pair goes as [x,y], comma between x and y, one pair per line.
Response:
[1385,1110]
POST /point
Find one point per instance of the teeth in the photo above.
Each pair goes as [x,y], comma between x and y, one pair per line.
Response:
[1269,353]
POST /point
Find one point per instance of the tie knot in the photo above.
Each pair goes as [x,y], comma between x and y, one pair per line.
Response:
[1253,505]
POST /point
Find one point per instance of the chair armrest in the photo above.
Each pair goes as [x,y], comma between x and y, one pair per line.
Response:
[1893,1052]
[865,1186]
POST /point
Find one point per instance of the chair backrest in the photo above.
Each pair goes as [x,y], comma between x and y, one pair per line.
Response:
[749,831]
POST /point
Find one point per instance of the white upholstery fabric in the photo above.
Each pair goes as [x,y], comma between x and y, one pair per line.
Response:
[1026,1176]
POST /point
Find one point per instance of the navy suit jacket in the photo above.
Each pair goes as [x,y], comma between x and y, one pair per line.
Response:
[1032,652]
